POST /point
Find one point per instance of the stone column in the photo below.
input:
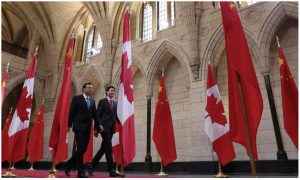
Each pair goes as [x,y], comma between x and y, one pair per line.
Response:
[148,158]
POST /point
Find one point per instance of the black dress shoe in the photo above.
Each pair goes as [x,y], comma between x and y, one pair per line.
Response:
[90,170]
[68,172]
[113,174]
[81,176]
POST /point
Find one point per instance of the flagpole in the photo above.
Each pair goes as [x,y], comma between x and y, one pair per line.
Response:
[246,122]
[9,171]
[13,166]
[52,170]
[161,172]
[220,173]
[31,167]
[7,67]
[122,172]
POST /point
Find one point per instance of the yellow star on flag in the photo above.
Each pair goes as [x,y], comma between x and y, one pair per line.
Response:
[160,89]
[4,83]
[281,61]
[232,5]
[69,54]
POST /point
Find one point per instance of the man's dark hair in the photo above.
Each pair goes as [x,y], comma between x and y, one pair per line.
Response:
[85,84]
[109,87]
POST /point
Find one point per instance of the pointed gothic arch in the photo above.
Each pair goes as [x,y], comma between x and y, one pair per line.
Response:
[172,48]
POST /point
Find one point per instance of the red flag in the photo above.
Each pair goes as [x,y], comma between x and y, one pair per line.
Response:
[3,85]
[58,143]
[289,93]
[216,126]
[36,138]
[125,109]
[116,143]
[240,67]
[4,137]
[18,129]
[163,134]
[88,155]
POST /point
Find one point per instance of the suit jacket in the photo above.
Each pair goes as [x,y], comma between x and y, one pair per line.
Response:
[106,116]
[80,116]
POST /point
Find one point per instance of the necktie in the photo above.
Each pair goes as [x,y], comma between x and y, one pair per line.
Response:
[88,102]
[111,104]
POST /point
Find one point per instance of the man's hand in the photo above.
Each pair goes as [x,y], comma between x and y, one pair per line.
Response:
[95,133]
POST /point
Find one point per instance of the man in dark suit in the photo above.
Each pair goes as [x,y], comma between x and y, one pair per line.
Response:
[82,110]
[107,116]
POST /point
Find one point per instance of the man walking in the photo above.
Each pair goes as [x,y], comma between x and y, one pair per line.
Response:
[107,116]
[82,110]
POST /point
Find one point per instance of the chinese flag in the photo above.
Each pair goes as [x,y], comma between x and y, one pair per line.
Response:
[116,143]
[216,126]
[3,84]
[289,93]
[18,129]
[125,108]
[88,155]
[241,75]
[4,137]
[36,139]
[163,135]
[58,143]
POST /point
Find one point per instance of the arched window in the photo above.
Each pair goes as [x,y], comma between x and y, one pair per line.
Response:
[147,23]
[90,42]
[99,43]
[165,14]
[172,13]
[162,15]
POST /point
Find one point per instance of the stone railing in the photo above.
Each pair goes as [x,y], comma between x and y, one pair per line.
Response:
[14,49]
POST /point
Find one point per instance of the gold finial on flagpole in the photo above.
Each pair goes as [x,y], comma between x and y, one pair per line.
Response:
[73,33]
[277,41]
[36,50]
[162,71]
[7,67]
[11,109]
[127,6]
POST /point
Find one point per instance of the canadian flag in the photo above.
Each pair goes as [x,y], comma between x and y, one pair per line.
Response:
[18,129]
[125,108]
[216,126]
[116,143]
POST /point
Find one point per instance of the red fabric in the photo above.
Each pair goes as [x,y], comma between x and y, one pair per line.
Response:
[289,93]
[58,142]
[4,138]
[125,108]
[216,125]
[88,155]
[117,148]
[3,85]
[163,134]
[18,130]
[36,139]
[240,65]
[111,105]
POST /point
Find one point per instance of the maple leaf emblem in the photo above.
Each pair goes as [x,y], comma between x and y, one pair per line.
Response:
[127,81]
[215,110]
[24,104]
